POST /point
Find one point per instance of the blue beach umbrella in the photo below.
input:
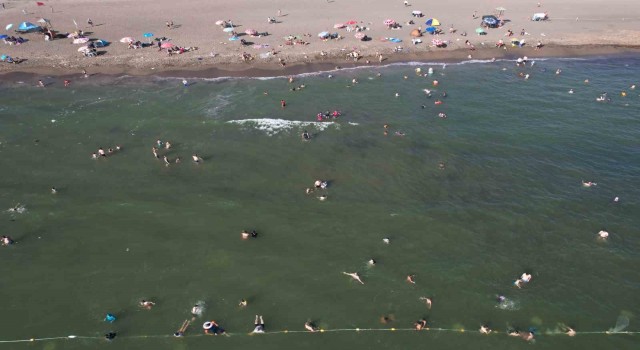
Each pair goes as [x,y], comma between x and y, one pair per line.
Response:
[432,22]
[431,30]
[3,36]
[148,36]
[3,57]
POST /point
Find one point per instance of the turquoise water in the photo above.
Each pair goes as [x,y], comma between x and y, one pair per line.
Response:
[509,200]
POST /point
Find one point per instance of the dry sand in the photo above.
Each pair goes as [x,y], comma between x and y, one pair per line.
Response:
[576,27]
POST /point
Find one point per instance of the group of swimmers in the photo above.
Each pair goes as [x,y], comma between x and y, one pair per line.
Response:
[328,115]
[166,146]
[318,185]
[102,153]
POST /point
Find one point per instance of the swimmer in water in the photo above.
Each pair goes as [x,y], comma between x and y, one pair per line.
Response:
[155,152]
[386,240]
[441,166]
[442,115]
[411,279]
[308,190]
[588,183]
[178,160]
[501,298]
[94,156]
[616,200]
[485,329]
[384,319]
[570,331]
[53,190]
[397,94]
[354,275]
[166,161]
[243,303]
[167,145]
[323,197]
[570,91]
[603,234]
[196,158]
[110,336]
[196,310]
[305,136]
[317,184]
[245,235]
[558,71]
[101,152]
[147,304]
[182,329]
[259,325]
[371,262]
[420,324]
[427,301]
[6,241]
[310,326]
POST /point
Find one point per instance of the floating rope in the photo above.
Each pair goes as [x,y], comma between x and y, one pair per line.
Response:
[459,330]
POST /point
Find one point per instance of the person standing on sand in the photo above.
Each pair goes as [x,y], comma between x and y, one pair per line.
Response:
[90,22]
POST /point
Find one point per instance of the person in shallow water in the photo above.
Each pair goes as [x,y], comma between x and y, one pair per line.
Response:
[182,329]
[258,325]
[212,328]
[110,336]
[420,324]
[6,241]
[305,136]
[147,304]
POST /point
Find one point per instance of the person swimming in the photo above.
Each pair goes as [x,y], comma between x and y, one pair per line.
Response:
[53,190]
[308,190]
[386,240]
[147,304]
[485,329]
[310,326]
[101,152]
[420,324]
[323,197]
[196,310]
[588,183]
[196,158]
[411,279]
[258,325]
[371,262]
[243,303]
[603,234]
[182,329]
[110,336]
[166,161]
[427,301]
[354,275]
[305,136]
[155,152]
[6,241]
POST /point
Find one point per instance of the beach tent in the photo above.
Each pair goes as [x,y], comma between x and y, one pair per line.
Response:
[431,30]
[26,27]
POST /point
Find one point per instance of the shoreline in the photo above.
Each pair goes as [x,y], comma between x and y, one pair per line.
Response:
[262,69]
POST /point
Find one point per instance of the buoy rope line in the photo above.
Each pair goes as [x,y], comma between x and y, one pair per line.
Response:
[425,330]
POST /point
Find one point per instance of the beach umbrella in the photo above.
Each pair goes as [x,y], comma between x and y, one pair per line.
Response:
[3,36]
[480,31]
[228,30]
[234,38]
[166,45]
[323,34]
[27,27]
[432,22]
[431,30]
[148,36]
[220,22]
[8,26]
[360,36]
[127,39]
[3,57]
[389,22]
[101,43]
[338,26]
[416,33]
[251,32]
[351,22]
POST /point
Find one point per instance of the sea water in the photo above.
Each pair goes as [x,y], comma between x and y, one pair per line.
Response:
[468,203]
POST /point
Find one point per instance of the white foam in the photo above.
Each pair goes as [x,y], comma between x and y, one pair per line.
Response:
[273,126]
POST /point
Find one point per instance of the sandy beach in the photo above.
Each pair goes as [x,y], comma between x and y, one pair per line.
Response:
[574,28]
